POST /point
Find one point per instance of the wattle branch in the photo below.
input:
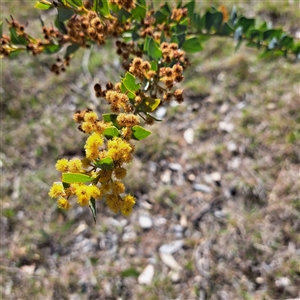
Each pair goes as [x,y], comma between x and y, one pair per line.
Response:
[152,45]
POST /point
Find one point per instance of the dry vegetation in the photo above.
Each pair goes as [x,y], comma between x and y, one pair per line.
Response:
[231,196]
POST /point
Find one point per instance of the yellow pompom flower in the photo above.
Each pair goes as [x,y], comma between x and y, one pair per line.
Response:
[56,190]
[87,127]
[75,165]
[120,173]
[114,202]
[83,195]
[105,188]
[63,203]
[91,117]
[104,175]
[128,203]
[62,165]
[94,191]
[94,141]
[118,187]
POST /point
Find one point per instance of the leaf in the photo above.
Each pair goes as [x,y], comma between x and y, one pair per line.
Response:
[71,49]
[212,20]
[60,26]
[45,5]
[92,205]
[14,53]
[75,3]
[140,133]
[226,29]
[51,48]
[192,45]
[286,41]
[17,39]
[130,272]
[111,132]
[245,23]
[123,15]
[1,29]
[64,13]
[149,104]
[139,12]
[129,82]
[105,164]
[271,33]
[163,14]
[197,21]
[152,48]
[101,6]
[111,118]
[190,7]
[76,177]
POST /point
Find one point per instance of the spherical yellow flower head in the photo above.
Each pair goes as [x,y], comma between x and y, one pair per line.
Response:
[104,175]
[88,127]
[83,195]
[128,120]
[94,191]
[56,190]
[86,163]
[114,202]
[118,187]
[120,173]
[62,165]
[63,203]
[75,165]
[100,126]
[105,188]
[71,190]
[91,117]
[128,203]
[119,150]
[94,141]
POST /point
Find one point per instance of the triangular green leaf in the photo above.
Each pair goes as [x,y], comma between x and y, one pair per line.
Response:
[64,13]
[111,118]
[140,133]
[76,177]
[17,39]
[149,104]
[71,49]
[45,5]
[111,132]
[192,45]
[105,163]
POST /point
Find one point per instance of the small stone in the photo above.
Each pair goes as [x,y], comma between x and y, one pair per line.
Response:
[170,261]
[172,247]
[145,222]
[232,147]
[183,221]
[175,276]
[81,227]
[147,275]
[282,282]
[215,176]
[225,126]
[28,269]
[202,188]
[259,280]
[161,112]
[175,167]
[166,176]
[189,135]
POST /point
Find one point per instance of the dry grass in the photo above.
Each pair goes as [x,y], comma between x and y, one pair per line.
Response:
[241,240]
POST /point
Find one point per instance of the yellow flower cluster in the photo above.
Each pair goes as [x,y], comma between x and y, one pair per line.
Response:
[105,182]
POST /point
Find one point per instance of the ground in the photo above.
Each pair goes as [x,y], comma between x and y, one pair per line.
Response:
[217,182]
